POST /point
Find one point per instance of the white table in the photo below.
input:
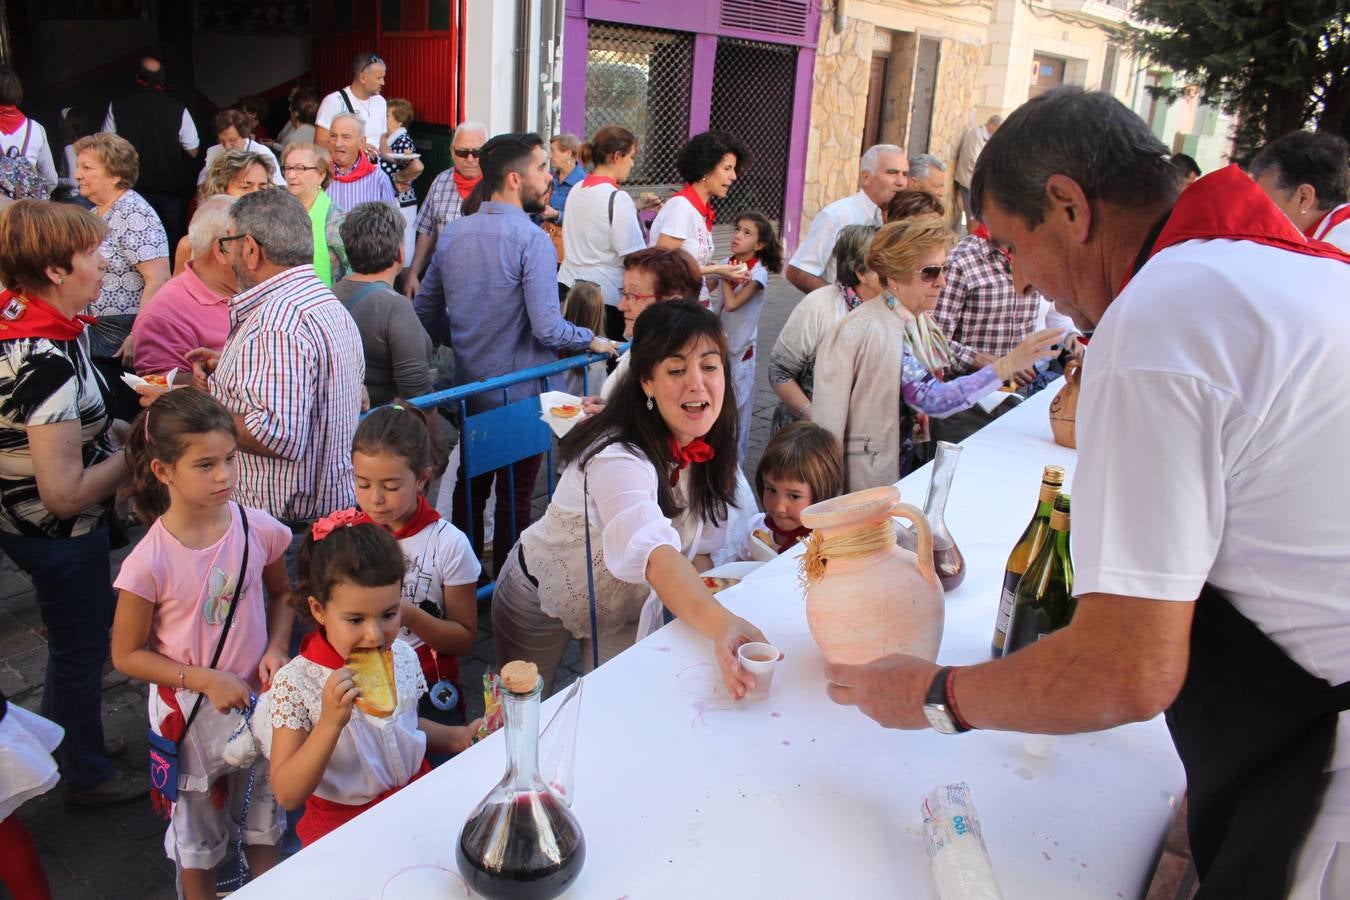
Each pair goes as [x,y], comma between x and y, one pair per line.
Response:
[683,794]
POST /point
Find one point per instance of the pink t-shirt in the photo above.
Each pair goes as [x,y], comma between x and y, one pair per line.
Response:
[191,590]
[183,315]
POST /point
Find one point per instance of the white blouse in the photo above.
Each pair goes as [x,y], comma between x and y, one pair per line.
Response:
[373,755]
[627,525]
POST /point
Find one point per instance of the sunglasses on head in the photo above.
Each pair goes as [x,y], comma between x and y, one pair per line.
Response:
[469,151]
[930,274]
[374,60]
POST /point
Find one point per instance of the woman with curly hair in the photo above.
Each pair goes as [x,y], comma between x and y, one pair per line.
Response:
[709,163]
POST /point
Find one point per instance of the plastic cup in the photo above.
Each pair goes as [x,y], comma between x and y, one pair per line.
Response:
[1039,745]
[759,659]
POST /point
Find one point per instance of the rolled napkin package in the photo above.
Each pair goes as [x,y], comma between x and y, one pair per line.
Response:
[956,850]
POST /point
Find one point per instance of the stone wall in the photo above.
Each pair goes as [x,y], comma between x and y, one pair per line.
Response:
[838,114]
[959,71]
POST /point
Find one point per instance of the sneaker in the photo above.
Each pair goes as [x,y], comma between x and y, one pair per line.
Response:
[119,788]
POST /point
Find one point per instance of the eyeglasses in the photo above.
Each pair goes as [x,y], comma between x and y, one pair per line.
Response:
[629,295]
[469,151]
[374,60]
[930,274]
[222,241]
[288,170]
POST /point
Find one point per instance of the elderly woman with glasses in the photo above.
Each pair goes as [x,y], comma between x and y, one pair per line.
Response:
[308,168]
[882,366]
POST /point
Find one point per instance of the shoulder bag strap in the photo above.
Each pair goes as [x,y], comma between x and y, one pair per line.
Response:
[360,295]
[612,194]
[346,101]
[28,133]
[590,569]
[229,618]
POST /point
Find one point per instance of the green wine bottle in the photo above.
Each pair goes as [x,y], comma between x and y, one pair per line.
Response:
[1045,601]
[1052,482]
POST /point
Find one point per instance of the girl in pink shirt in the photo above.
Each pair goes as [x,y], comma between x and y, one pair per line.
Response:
[175,593]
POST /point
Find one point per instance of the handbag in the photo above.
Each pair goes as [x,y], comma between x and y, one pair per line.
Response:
[163,751]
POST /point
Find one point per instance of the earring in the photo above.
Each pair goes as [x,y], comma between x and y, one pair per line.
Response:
[649,403]
[60,281]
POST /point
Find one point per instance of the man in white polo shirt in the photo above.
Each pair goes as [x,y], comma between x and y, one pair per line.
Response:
[362,97]
[885,170]
[1211,542]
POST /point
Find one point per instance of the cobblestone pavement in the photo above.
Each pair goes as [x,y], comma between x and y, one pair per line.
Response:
[117,852]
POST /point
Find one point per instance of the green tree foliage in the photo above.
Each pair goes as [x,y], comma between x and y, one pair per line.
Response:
[1277,66]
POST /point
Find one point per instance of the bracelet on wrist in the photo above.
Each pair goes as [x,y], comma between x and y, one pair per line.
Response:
[182,677]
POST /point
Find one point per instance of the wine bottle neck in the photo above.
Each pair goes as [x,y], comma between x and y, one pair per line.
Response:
[1059,521]
[522,734]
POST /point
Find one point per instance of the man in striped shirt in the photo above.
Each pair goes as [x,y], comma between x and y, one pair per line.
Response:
[291,370]
[355,178]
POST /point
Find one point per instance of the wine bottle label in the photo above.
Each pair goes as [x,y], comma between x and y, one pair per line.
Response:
[1005,610]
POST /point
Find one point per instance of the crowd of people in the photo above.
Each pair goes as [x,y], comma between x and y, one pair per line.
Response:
[310,287]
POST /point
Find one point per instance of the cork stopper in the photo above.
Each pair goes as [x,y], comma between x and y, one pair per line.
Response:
[520,677]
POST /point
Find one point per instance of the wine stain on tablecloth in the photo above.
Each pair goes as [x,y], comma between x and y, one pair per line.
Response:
[1024,773]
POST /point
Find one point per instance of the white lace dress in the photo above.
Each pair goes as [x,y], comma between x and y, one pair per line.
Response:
[626,526]
[373,755]
[27,769]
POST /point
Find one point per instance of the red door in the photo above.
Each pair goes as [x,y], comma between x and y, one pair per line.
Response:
[421,41]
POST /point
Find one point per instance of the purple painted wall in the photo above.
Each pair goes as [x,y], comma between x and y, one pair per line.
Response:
[704,19]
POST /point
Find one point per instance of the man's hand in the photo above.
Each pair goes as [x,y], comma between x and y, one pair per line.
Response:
[204,362]
[410,284]
[890,690]
[1024,377]
[592,405]
[127,353]
[604,345]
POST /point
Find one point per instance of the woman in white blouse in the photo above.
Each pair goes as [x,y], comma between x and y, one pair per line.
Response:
[654,472]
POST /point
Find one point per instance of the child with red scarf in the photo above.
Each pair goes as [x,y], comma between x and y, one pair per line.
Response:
[335,758]
[738,303]
[803,464]
[391,457]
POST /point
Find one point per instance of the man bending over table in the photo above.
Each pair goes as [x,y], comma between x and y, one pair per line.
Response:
[1211,541]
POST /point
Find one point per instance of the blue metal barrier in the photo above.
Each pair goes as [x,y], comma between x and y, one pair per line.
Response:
[497,437]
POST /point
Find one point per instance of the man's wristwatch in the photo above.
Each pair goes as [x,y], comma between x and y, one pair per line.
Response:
[938,705]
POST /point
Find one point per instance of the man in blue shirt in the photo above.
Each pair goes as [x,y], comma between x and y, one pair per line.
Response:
[491,294]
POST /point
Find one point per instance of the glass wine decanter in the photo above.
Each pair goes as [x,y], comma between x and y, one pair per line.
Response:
[522,842]
[947,558]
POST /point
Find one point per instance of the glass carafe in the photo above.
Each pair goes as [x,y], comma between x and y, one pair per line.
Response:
[521,842]
[947,558]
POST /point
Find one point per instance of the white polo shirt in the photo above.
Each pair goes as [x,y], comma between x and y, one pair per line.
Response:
[1212,433]
[815,254]
[373,109]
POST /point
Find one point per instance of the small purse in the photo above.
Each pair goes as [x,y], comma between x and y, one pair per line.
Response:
[163,751]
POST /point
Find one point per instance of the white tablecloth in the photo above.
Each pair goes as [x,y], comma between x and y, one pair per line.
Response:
[684,794]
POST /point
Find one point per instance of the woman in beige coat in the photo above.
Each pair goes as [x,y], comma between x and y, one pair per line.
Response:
[879,367]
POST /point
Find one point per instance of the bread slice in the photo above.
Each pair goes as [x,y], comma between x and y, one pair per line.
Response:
[373,672]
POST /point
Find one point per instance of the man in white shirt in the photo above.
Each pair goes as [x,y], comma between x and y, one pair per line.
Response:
[884,171]
[362,97]
[971,144]
[1307,174]
[927,173]
[1209,525]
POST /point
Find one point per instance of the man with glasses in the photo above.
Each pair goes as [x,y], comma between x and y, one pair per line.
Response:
[291,371]
[362,97]
[445,198]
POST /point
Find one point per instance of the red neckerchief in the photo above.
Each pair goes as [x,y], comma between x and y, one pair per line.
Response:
[362,168]
[424,515]
[157,88]
[704,209]
[786,540]
[464,185]
[1227,205]
[11,120]
[316,649]
[696,451]
[983,234]
[31,317]
[1331,219]
[592,180]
